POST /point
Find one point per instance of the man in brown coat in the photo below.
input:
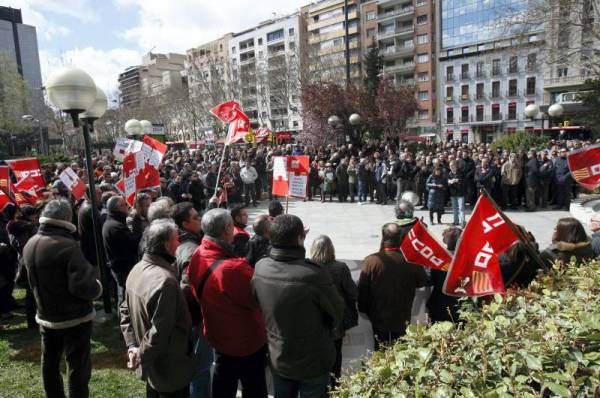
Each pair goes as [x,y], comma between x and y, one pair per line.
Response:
[155,320]
[386,287]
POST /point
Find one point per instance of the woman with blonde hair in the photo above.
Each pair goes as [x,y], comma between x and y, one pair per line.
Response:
[322,252]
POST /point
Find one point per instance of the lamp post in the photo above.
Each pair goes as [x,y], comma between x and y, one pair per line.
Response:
[354,120]
[74,92]
[31,119]
[133,127]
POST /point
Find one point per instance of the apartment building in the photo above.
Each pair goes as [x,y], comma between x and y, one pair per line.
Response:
[571,43]
[265,68]
[156,74]
[485,79]
[325,42]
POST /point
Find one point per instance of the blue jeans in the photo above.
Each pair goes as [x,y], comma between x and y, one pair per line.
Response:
[200,386]
[458,209]
[312,388]
[362,191]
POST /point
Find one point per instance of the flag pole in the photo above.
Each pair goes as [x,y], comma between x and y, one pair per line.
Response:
[535,256]
[287,202]
[220,167]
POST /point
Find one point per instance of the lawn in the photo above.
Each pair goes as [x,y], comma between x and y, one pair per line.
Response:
[20,374]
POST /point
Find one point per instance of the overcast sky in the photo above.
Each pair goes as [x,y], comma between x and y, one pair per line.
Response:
[104,37]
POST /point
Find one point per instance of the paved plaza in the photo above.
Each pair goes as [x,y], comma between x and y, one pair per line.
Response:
[356,232]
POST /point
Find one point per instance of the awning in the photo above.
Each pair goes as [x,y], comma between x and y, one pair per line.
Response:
[417,138]
[284,136]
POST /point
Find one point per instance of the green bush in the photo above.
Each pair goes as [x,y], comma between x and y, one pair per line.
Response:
[520,140]
[543,341]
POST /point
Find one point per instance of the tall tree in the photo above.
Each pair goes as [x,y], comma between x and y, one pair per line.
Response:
[373,66]
[395,106]
[590,114]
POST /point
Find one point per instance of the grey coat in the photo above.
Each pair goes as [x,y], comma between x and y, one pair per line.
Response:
[302,310]
[155,318]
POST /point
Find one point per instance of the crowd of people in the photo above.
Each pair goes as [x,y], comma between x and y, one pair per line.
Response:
[207,302]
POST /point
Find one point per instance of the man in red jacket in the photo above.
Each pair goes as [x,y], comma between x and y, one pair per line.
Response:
[233,322]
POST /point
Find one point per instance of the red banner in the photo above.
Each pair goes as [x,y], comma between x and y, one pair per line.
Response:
[26,191]
[585,166]
[475,270]
[290,175]
[154,151]
[227,111]
[4,186]
[27,167]
[73,183]
[129,178]
[421,248]
[148,177]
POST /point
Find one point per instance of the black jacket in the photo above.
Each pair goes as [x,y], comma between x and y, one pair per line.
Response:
[258,247]
[457,188]
[119,243]
[532,172]
[302,309]
[86,234]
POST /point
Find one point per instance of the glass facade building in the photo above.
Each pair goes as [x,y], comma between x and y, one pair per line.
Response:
[465,22]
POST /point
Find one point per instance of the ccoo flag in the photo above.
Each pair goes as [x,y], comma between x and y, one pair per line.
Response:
[585,166]
[421,248]
[227,111]
[475,270]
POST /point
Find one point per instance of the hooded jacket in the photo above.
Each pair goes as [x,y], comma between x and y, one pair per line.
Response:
[564,251]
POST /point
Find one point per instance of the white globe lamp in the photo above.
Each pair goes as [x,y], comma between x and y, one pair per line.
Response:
[133,127]
[146,126]
[71,90]
[98,108]
[555,110]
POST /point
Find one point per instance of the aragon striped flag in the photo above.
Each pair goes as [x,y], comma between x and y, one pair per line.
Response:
[585,166]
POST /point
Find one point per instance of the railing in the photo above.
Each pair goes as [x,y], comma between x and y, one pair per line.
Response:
[512,93]
[530,92]
[495,95]
[465,75]
[486,118]
[513,70]
[480,96]
[480,74]
[393,32]
[449,98]
[464,97]
[405,10]
[450,77]
[496,72]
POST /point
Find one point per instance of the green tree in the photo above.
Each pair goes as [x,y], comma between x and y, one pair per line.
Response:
[13,101]
[590,114]
[373,67]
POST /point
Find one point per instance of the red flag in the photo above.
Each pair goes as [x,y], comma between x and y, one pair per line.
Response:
[475,270]
[27,167]
[227,111]
[280,176]
[148,177]
[73,183]
[421,248]
[129,178]
[238,128]
[26,191]
[4,186]
[154,150]
[585,166]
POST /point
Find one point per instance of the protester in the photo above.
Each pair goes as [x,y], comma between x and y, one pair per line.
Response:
[322,252]
[437,184]
[569,240]
[442,307]
[249,175]
[64,285]
[562,182]
[386,287]
[511,177]
[260,244]
[531,175]
[137,221]
[240,235]
[456,185]
[595,227]
[233,323]
[155,320]
[302,309]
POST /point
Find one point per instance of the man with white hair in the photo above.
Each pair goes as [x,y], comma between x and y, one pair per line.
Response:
[155,320]
[64,285]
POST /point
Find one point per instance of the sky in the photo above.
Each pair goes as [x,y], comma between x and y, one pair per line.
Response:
[103,37]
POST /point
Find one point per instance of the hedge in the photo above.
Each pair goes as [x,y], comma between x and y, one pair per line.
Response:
[543,341]
[520,140]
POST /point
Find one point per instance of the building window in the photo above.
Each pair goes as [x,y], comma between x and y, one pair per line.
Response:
[423,114]
[423,95]
[370,32]
[531,85]
[464,92]
[512,88]
[371,15]
[260,41]
[479,72]
[531,62]
[277,35]
[449,115]
[422,39]
[464,114]
[291,32]
[423,76]
[464,71]
[495,89]
[449,73]
[422,58]
[260,54]
[479,113]
[233,50]
[421,2]
[512,111]
[479,91]
[563,71]
[496,112]
[449,93]
[422,20]
[513,64]
[495,67]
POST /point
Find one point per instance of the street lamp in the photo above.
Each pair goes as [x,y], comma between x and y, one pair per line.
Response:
[146,126]
[334,121]
[31,119]
[133,127]
[74,92]
[354,120]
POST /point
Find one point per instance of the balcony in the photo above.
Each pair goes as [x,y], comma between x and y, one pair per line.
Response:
[531,92]
[449,121]
[564,82]
[386,34]
[247,61]
[486,119]
[513,70]
[495,95]
[480,96]
[496,71]
[449,98]
[396,13]
[480,74]
[246,49]
[398,51]
[512,93]
[450,77]
[407,67]
[465,76]
[464,118]
[465,97]
[532,67]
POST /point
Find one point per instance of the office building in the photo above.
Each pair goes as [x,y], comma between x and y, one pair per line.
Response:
[265,69]
[486,77]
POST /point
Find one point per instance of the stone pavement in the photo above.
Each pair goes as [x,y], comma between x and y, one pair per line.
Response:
[355,231]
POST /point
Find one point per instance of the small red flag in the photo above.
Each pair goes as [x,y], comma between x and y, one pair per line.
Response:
[148,177]
[475,270]
[73,183]
[4,186]
[154,151]
[584,165]
[238,128]
[26,191]
[421,248]
[129,178]
[227,111]
[27,167]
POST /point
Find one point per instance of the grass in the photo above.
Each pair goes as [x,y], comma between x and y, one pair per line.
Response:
[20,374]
